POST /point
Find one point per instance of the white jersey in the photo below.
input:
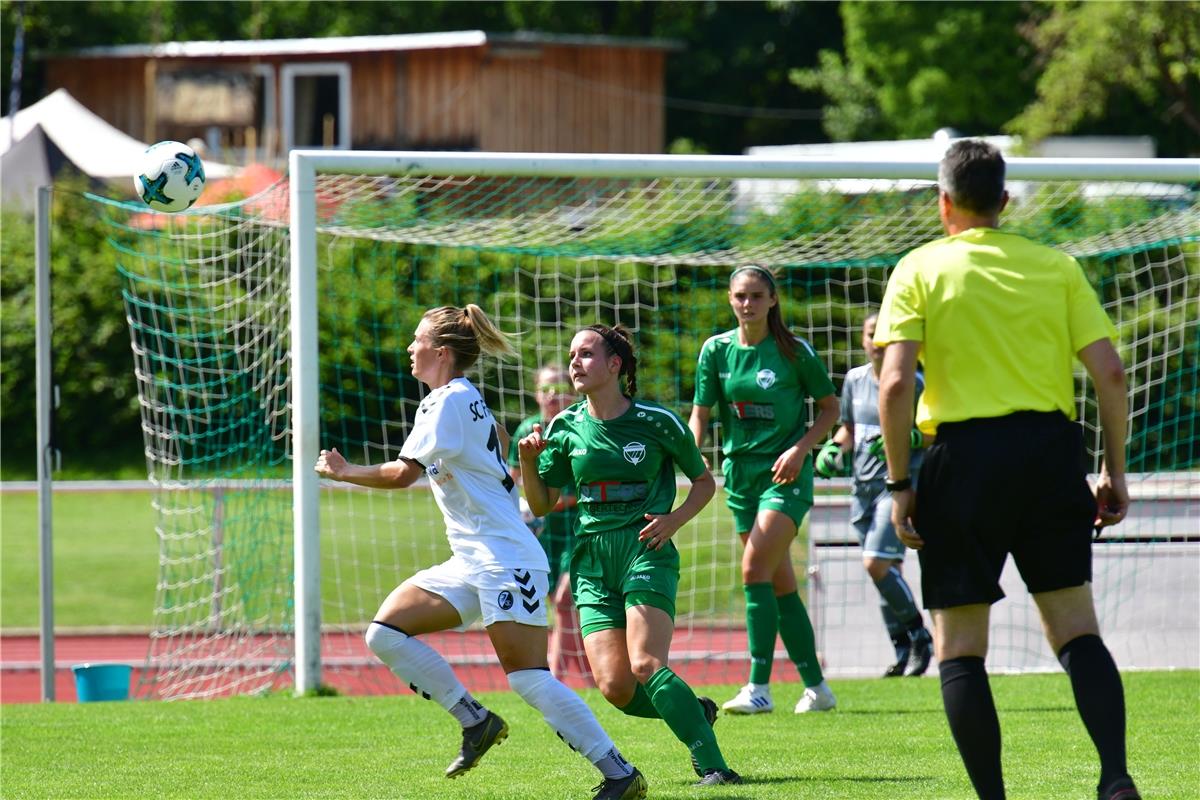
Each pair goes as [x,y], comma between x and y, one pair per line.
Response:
[454,438]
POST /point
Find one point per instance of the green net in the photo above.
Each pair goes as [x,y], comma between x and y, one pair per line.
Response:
[207,300]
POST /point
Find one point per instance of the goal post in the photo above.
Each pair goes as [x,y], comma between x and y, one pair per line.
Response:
[305,165]
[269,328]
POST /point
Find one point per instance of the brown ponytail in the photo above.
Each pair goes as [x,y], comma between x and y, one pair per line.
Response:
[620,344]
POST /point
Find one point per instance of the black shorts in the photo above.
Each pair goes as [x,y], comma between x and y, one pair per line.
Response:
[989,487]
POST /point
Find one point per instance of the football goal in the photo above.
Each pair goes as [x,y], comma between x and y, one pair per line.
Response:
[267,329]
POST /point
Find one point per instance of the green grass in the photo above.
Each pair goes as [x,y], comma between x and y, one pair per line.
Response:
[106,553]
[888,739]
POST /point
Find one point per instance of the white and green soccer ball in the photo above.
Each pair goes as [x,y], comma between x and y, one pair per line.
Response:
[171,177]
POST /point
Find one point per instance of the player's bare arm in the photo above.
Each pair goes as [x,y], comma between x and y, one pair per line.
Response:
[391,475]
[540,497]
[661,527]
[897,385]
[698,424]
[1104,366]
[787,467]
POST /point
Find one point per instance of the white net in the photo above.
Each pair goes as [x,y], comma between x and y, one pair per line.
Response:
[207,300]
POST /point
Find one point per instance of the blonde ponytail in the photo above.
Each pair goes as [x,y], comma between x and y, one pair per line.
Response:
[466,332]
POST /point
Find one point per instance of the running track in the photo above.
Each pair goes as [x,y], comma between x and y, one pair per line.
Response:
[699,656]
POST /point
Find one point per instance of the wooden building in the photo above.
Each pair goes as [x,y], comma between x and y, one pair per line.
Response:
[466,90]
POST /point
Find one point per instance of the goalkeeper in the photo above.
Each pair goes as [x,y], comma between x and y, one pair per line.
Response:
[871,506]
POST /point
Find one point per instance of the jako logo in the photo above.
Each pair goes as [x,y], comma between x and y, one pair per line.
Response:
[765,378]
[505,600]
[634,452]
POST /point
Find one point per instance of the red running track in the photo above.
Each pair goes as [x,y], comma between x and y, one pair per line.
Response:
[700,656]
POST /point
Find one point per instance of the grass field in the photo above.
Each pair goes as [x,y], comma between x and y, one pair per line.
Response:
[106,552]
[887,739]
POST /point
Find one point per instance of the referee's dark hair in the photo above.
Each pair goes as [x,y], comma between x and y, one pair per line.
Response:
[972,173]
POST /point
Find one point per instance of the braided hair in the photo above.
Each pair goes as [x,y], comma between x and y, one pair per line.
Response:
[619,342]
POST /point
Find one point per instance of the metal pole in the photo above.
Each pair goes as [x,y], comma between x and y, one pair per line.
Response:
[305,424]
[45,408]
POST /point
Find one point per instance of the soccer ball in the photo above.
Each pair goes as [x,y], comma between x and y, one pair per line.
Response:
[171,177]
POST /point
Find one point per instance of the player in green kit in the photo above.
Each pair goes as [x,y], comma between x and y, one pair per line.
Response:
[620,454]
[758,376]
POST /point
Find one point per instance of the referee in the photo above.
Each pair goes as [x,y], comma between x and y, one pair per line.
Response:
[997,321]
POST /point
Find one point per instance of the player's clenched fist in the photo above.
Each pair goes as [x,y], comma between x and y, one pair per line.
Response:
[533,444]
[330,464]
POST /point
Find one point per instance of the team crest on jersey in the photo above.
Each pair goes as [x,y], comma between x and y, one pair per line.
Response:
[634,452]
[765,378]
[505,600]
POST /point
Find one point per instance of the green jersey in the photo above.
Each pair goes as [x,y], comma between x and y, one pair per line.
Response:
[759,392]
[623,468]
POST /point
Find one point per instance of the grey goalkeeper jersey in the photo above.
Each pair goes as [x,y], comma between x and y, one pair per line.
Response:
[860,407]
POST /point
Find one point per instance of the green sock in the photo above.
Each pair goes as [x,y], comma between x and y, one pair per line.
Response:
[641,705]
[796,630]
[762,625]
[677,703]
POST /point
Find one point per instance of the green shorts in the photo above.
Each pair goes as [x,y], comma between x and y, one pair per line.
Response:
[748,490]
[613,571]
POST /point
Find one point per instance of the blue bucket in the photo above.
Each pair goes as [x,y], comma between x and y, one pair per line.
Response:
[95,682]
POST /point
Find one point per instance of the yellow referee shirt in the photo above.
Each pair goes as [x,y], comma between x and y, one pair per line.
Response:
[999,319]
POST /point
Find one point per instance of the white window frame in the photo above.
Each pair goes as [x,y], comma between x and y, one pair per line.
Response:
[287,75]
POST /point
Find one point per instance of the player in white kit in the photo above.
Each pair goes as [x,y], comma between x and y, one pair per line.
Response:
[498,572]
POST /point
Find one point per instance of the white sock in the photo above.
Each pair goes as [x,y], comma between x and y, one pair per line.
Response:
[571,719]
[425,671]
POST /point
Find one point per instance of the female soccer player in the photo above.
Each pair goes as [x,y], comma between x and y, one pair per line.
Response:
[497,570]
[758,376]
[620,454]
[556,530]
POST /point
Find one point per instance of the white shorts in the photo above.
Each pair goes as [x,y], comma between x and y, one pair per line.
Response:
[502,595]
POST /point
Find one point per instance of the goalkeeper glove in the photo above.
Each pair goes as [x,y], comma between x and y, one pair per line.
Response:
[831,461]
[916,440]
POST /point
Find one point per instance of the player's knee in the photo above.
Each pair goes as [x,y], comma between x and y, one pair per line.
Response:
[877,568]
[527,682]
[618,691]
[381,639]
[644,666]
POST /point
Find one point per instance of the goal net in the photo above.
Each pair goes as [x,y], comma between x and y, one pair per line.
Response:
[264,329]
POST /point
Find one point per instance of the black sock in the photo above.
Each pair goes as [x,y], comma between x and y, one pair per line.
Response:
[974,724]
[1100,699]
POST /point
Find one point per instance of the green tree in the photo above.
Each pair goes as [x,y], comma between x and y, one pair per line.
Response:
[911,68]
[1113,68]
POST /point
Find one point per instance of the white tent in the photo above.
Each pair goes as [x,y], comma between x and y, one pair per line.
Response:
[93,146]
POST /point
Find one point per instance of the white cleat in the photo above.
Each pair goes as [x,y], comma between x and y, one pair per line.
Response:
[816,698]
[753,698]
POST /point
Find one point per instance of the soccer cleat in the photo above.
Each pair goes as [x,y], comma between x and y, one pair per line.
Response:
[897,670]
[1120,789]
[710,716]
[477,740]
[631,787]
[719,777]
[921,653]
[816,698]
[753,698]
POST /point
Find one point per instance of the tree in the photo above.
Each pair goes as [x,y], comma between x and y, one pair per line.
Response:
[911,68]
[1115,67]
